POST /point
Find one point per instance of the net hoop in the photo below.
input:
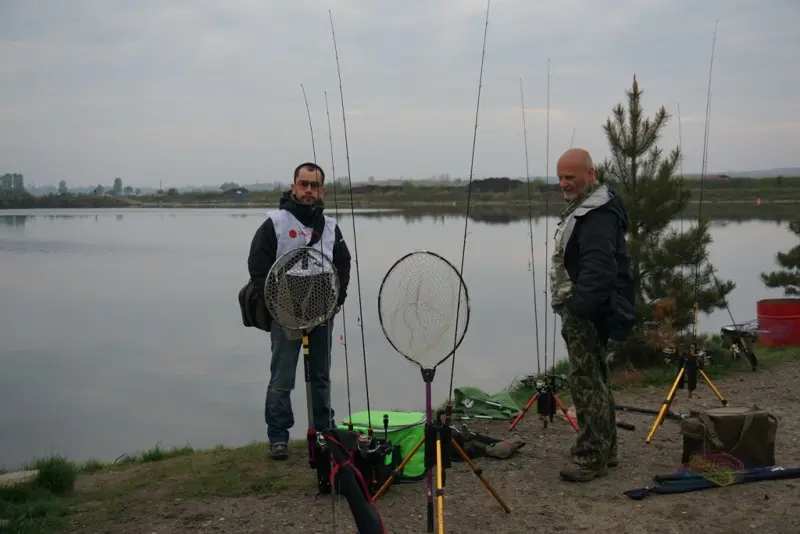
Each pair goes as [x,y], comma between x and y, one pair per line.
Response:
[464,310]
[301,308]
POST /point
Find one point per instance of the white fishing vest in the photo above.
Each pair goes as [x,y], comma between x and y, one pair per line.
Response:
[291,234]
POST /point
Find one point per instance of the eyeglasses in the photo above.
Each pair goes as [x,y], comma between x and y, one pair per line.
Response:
[305,184]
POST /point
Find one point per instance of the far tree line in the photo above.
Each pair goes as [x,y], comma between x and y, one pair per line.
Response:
[117,189]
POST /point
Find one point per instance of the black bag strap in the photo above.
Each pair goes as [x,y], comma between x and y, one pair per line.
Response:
[316,233]
[319,227]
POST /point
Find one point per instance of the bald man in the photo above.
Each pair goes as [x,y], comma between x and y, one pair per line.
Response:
[592,291]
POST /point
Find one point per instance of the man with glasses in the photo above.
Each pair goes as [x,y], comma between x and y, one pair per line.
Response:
[298,221]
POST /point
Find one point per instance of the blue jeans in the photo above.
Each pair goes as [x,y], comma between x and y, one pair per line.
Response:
[283,370]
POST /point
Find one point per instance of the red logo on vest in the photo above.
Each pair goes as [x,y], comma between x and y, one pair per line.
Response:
[293,233]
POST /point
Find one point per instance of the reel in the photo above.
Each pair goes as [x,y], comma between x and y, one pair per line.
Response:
[375,459]
[703,356]
[546,386]
[542,383]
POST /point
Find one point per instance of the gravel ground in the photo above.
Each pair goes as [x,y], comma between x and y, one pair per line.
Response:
[529,482]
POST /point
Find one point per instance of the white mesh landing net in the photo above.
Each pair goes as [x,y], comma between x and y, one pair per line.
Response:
[302,289]
[423,306]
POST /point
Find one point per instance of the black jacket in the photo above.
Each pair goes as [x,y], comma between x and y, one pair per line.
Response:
[596,258]
[265,244]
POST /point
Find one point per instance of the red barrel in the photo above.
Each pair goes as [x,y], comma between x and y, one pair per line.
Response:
[779,322]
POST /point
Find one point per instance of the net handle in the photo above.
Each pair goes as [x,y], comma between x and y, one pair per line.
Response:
[465,308]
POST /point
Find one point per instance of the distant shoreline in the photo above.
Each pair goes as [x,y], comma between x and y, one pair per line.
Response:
[494,193]
[91,202]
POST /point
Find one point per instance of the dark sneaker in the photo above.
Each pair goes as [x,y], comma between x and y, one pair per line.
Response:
[278,451]
[577,473]
[612,462]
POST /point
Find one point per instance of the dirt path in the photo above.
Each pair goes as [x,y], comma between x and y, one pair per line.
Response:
[529,482]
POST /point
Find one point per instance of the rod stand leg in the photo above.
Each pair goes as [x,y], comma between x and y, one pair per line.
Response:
[399,469]
[570,419]
[713,387]
[443,460]
[665,405]
[478,472]
[523,411]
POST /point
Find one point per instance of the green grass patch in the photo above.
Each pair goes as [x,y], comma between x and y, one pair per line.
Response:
[155,454]
[41,503]
[68,495]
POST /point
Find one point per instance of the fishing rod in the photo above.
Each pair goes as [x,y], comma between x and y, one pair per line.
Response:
[680,193]
[717,283]
[344,311]
[680,186]
[530,227]
[555,317]
[553,382]
[703,170]
[341,469]
[328,352]
[546,384]
[449,405]
[547,220]
[310,124]
[353,218]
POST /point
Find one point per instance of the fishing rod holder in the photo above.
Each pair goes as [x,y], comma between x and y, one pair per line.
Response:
[367,451]
[702,357]
[546,398]
[545,382]
[547,388]
[435,431]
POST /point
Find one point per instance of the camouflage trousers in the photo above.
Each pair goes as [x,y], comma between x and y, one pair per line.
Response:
[590,385]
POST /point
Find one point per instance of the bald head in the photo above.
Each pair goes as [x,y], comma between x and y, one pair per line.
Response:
[575,172]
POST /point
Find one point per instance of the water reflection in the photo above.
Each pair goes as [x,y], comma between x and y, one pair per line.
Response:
[13,221]
[502,215]
[120,328]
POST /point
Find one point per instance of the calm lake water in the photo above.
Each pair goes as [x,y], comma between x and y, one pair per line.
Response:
[120,329]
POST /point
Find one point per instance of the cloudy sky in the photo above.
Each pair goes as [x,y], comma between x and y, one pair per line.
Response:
[200,92]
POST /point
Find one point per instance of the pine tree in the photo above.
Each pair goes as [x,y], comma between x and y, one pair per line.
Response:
[667,264]
[788,277]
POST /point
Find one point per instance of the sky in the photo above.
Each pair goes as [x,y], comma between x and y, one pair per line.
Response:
[200,92]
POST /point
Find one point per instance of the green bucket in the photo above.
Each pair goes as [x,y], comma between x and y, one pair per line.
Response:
[405,430]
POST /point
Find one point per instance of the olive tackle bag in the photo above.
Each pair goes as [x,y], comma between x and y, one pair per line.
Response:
[747,434]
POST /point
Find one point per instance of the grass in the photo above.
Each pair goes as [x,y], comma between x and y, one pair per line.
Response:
[66,495]
[69,495]
[38,504]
